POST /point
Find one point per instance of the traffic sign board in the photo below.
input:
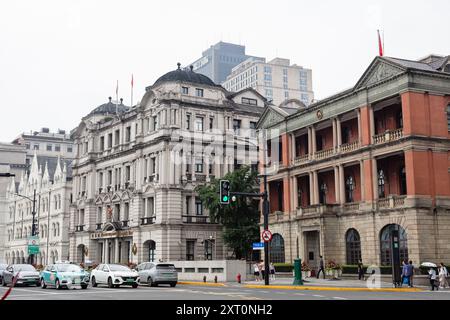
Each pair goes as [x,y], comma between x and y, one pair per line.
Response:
[258,245]
[266,235]
[33,245]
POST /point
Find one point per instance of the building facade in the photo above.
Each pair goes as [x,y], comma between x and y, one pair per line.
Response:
[47,145]
[218,60]
[351,168]
[277,80]
[12,160]
[53,196]
[136,170]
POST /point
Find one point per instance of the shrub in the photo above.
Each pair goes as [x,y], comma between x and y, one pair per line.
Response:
[283,267]
[353,269]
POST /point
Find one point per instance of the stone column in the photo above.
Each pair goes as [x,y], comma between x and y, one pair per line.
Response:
[293,149]
[358,112]
[311,189]
[372,123]
[116,250]
[339,133]
[313,140]
[316,187]
[375,178]
[309,143]
[106,251]
[333,122]
[361,177]
[294,193]
[342,183]
[336,185]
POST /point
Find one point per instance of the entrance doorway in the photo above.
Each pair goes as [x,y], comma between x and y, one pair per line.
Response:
[312,248]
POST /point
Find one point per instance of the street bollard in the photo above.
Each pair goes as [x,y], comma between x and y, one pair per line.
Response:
[215,279]
[204,278]
[298,272]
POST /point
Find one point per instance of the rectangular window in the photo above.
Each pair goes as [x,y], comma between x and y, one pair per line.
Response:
[199,92]
[102,143]
[127,134]
[199,123]
[153,165]
[252,129]
[27,146]
[236,126]
[117,137]
[57,147]
[198,207]
[49,147]
[267,69]
[252,102]
[127,173]
[36,147]
[188,122]
[155,123]
[199,165]
[69,149]
[110,140]
[190,250]
[188,205]
[185,90]
[100,179]
[211,123]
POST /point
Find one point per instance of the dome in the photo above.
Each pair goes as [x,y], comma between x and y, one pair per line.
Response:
[185,76]
[110,108]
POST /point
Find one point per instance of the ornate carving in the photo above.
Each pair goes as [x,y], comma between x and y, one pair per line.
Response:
[271,119]
[382,71]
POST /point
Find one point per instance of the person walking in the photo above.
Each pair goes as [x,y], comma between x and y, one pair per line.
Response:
[411,273]
[360,270]
[272,271]
[321,268]
[443,274]
[405,273]
[262,268]
[432,275]
[256,272]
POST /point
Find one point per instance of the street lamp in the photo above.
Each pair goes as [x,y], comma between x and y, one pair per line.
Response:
[33,213]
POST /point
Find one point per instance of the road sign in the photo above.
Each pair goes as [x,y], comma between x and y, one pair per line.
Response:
[258,245]
[33,245]
[266,235]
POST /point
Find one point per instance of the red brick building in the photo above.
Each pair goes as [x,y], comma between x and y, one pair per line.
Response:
[349,168]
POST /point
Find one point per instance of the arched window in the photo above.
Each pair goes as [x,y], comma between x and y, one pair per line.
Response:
[385,244]
[349,188]
[55,198]
[150,250]
[353,247]
[381,182]
[57,229]
[276,249]
[54,229]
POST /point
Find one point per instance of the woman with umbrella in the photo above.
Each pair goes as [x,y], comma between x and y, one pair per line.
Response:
[431,274]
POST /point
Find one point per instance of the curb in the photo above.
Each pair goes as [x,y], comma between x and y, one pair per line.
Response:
[333,288]
[206,284]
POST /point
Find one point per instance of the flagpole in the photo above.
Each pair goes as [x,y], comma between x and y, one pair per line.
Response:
[132,86]
[117,97]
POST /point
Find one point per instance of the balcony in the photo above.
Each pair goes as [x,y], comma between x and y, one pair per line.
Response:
[322,154]
[301,159]
[391,202]
[147,220]
[79,228]
[197,219]
[390,135]
[348,147]
[351,206]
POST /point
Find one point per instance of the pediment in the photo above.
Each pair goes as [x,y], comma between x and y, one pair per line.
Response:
[98,200]
[269,118]
[126,195]
[378,71]
[107,198]
[116,197]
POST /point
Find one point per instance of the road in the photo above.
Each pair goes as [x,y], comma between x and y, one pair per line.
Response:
[192,292]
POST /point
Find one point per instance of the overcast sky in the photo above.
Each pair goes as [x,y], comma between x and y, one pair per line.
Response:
[60,59]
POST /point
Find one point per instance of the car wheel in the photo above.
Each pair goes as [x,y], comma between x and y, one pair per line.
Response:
[173,284]
[150,282]
[94,283]
[134,285]
[57,285]
[84,286]
[43,285]
[116,286]
[110,283]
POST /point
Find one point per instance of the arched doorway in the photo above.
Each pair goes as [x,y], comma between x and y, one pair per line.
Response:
[276,248]
[385,244]
[80,253]
[149,250]
[353,246]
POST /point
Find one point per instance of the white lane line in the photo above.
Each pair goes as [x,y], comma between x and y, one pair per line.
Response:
[318,296]
[340,298]
[299,294]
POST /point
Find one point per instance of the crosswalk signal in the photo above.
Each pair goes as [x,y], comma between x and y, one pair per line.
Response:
[224,192]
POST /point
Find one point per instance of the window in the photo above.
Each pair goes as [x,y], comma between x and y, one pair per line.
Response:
[184,90]
[36,147]
[345,135]
[236,126]
[211,123]
[188,122]
[199,123]
[69,148]
[353,247]
[276,249]
[267,69]
[448,117]
[102,143]
[49,147]
[323,193]
[208,249]
[199,165]
[252,102]
[155,122]
[57,147]
[252,129]
[190,250]
[402,176]
[27,146]
[110,140]
[385,244]
[188,205]
[127,134]
[198,207]
[199,92]
[127,173]
[304,98]
[117,137]
[153,165]
[349,188]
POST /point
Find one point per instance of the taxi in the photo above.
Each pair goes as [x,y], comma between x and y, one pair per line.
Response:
[60,275]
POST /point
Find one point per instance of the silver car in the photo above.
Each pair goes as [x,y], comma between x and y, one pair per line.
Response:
[154,273]
[26,274]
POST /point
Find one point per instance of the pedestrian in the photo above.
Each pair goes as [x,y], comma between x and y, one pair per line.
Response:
[432,276]
[272,271]
[262,269]
[443,274]
[360,270]
[411,273]
[321,268]
[405,273]
[256,271]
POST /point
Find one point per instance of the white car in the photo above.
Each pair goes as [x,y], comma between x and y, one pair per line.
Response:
[114,275]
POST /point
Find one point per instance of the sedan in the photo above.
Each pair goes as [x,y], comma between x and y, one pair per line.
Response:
[3,267]
[25,274]
[158,273]
[61,275]
[114,275]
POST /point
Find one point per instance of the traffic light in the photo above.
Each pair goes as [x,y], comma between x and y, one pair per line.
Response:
[224,191]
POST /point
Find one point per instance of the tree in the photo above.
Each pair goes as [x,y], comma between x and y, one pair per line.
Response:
[240,218]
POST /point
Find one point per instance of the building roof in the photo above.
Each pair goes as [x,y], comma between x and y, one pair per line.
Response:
[52,163]
[425,65]
[110,108]
[185,76]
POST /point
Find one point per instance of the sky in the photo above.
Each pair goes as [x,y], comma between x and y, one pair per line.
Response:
[59,59]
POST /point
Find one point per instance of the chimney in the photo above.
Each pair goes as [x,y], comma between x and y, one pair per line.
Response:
[179,65]
[109,99]
[191,67]
[121,100]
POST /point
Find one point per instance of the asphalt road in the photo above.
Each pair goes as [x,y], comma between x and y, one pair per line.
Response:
[191,292]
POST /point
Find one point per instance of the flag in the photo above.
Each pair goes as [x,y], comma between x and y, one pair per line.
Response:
[132,81]
[380,45]
[117,90]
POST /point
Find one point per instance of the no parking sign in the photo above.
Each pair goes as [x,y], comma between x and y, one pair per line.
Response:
[266,235]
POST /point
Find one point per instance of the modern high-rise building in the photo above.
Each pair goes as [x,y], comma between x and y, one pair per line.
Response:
[277,80]
[218,60]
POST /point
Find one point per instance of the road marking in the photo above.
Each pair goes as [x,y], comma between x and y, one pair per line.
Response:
[318,296]
[340,298]
[299,294]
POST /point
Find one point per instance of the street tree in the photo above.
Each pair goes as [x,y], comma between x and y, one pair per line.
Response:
[240,218]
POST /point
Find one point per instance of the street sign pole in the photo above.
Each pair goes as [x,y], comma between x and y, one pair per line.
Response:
[266,214]
[33,225]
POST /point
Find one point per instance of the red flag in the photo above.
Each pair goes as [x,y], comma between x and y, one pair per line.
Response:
[132,82]
[380,46]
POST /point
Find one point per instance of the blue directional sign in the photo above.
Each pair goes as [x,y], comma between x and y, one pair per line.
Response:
[258,245]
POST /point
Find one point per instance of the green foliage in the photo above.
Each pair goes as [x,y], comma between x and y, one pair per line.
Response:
[353,269]
[240,218]
[283,267]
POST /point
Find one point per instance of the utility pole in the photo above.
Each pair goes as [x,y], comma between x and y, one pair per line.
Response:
[265,213]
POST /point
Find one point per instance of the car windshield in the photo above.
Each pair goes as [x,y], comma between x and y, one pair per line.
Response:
[68,268]
[117,267]
[23,267]
[165,266]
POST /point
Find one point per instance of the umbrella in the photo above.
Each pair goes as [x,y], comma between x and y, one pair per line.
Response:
[429,264]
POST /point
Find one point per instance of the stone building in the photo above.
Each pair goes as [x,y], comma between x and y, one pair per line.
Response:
[53,195]
[350,168]
[136,169]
